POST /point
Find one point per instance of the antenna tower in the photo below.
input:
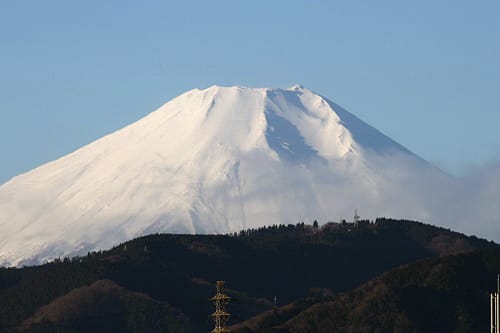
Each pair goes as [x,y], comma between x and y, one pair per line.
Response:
[356,217]
[220,316]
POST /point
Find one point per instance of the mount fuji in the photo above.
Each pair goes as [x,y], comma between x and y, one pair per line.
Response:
[216,160]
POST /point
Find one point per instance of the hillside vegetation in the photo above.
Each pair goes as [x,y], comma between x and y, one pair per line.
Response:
[449,294]
[162,283]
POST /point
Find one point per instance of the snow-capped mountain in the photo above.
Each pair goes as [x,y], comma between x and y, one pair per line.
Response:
[212,161]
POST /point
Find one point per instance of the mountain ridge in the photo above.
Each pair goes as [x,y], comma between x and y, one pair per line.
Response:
[153,281]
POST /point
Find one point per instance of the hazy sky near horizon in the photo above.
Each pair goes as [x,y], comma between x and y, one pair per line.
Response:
[425,73]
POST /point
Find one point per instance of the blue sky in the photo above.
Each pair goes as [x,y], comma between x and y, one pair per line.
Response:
[426,73]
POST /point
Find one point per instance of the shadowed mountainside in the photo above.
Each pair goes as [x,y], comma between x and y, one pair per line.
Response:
[449,294]
[163,282]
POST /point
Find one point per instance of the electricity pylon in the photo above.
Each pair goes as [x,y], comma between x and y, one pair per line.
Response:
[220,316]
[495,309]
[356,218]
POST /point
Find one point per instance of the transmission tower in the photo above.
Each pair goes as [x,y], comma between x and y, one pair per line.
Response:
[220,316]
[356,218]
[495,309]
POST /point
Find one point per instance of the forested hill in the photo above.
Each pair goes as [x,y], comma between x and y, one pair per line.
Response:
[449,294]
[162,283]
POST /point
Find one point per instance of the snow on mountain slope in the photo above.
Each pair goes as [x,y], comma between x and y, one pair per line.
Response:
[211,161]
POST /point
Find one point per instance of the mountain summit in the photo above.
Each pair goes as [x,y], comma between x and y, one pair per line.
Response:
[210,161]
